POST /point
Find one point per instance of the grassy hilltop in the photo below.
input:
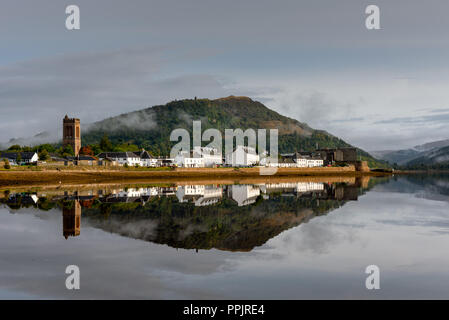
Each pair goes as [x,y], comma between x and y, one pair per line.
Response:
[150,128]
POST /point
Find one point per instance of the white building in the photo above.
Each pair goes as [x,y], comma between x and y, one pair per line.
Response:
[242,157]
[211,156]
[146,159]
[20,158]
[165,162]
[186,159]
[122,158]
[314,162]
[299,161]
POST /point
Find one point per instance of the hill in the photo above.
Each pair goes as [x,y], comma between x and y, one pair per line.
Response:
[432,145]
[150,128]
[431,154]
[399,157]
[435,159]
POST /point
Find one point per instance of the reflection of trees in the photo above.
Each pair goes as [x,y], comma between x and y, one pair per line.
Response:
[224,226]
[105,210]
[45,204]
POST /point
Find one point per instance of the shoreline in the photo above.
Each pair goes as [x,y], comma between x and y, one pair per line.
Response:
[89,176]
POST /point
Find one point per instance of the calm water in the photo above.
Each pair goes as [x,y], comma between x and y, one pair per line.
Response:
[295,240]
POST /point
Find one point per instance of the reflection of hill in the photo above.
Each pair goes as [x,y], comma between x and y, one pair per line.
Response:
[432,186]
[226,217]
[224,226]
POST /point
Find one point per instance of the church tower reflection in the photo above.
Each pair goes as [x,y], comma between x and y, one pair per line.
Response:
[71,219]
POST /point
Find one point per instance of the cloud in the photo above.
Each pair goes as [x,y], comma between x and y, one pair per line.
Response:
[35,95]
[140,120]
[440,118]
[349,119]
[315,61]
[316,108]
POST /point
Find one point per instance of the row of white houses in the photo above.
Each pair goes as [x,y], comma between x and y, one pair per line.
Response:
[242,157]
[199,157]
[141,159]
[303,162]
[205,195]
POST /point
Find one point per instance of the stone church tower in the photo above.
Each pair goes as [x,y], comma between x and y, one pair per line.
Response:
[71,134]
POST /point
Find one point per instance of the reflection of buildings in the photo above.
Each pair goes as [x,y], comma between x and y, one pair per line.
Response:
[224,225]
[71,220]
[26,199]
[244,194]
[137,194]
[314,190]
[346,192]
[167,191]
[202,195]
[292,188]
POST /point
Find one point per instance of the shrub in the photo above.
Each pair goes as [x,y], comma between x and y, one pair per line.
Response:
[7,165]
[43,155]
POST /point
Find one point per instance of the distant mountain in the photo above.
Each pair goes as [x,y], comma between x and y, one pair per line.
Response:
[432,145]
[436,158]
[428,154]
[151,127]
[399,157]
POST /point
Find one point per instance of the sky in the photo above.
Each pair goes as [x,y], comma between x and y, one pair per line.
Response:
[314,61]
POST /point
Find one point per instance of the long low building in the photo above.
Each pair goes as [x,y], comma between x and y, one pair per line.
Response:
[242,156]
[20,158]
[336,155]
[122,158]
[297,160]
[140,158]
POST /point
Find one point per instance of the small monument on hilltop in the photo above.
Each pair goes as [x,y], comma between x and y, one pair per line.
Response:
[71,134]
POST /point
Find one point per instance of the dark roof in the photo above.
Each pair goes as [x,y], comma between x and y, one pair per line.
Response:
[143,154]
[115,155]
[287,160]
[82,157]
[336,149]
[303,153]
[13,155]
[146,155]
[57,158]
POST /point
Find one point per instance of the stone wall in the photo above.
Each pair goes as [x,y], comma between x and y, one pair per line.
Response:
[362,166]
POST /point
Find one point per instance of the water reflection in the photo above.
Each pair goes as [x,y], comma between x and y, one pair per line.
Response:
[295,241]
[71,219]
[225,217]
